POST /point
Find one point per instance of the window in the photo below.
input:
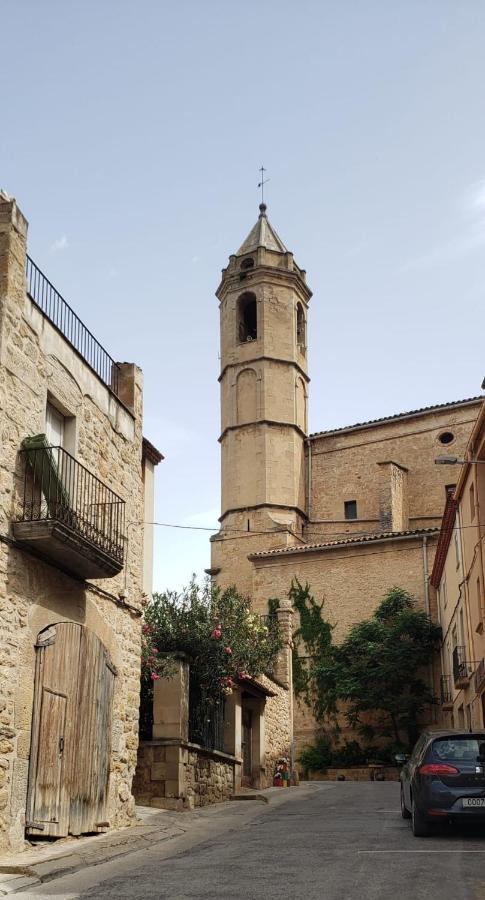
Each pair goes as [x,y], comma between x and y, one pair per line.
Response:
[247,263]
[54,426]
[472,502]
[300,328]
[450,489]
[350,508]
[446,437]
[247,318]
[444,592]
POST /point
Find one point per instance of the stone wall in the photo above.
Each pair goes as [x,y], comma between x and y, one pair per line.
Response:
[278,727]
[36,365]
[208,776]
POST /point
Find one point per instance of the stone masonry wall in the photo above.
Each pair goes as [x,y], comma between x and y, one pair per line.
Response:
[36,365]
[208,776]
[277,727]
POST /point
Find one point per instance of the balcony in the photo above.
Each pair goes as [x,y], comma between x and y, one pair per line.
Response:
[462,669]
[446,692]
[68,515]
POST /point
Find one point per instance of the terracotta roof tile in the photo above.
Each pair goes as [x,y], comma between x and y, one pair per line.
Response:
[402,415]
[360,539]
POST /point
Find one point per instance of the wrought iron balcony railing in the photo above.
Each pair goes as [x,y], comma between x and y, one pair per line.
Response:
[63,317]
[461,667]
[60,491]
[446,690]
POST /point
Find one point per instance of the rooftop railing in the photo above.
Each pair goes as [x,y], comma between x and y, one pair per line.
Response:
[62,316]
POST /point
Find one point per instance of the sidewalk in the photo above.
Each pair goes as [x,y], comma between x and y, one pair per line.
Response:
[46,862]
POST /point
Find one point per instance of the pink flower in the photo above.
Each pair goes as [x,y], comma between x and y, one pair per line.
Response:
[216,633]
[243,675]
[227,650]
[154,676]
[154,650]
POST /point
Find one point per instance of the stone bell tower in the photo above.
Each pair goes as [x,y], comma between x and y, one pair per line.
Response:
[263,313]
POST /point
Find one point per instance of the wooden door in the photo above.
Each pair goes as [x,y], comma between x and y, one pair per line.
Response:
[71,728]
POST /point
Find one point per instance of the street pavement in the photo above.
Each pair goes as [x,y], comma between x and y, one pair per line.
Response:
[331,841]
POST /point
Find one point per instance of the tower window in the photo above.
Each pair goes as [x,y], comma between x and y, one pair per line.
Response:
[247,263]
[247,318]
[350,509]
[300,327]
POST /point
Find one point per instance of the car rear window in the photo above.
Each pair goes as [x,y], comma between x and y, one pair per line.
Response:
[459,748]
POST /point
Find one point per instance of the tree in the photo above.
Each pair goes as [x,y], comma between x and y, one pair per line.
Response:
[376,675]
[223,639]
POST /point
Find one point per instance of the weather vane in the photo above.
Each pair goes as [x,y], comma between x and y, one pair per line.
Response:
[262,182]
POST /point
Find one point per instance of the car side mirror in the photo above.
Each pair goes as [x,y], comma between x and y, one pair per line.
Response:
[401,758]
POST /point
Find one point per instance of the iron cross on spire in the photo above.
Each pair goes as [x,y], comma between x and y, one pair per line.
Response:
[262,182]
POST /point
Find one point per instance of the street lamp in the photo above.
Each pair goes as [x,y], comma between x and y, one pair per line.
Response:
[455,461]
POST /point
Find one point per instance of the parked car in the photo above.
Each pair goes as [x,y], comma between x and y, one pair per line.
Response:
[444,779]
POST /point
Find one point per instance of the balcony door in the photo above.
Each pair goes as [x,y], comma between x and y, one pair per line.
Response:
[71,729]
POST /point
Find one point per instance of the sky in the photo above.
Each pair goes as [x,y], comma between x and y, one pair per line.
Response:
[131,136]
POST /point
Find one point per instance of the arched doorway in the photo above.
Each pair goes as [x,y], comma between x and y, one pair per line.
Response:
[71,733]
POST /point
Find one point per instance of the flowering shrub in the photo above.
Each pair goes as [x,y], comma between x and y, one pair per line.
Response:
[223,639]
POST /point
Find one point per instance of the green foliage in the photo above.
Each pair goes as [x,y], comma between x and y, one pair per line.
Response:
[317,757]
[223,639]
[375,674]
[311,640]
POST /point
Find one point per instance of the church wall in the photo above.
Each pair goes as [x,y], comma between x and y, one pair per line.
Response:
[345,467]
[351,580]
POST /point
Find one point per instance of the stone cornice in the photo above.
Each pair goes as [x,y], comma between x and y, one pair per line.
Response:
[236,509]
[262,275]
[263,358]
[267,422]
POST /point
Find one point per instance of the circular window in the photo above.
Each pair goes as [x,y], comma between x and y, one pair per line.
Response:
[247,263]
[446,437]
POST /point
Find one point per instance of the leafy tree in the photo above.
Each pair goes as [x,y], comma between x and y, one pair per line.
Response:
[375,675]
[224,640]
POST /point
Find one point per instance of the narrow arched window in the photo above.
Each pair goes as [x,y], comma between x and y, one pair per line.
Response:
[247,318]
[300,328]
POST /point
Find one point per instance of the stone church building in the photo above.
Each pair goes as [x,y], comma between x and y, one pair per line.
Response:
[354,510]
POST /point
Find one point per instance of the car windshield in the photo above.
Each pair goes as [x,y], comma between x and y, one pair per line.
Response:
[459,748]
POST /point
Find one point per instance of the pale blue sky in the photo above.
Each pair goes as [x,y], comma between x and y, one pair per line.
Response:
[131,135]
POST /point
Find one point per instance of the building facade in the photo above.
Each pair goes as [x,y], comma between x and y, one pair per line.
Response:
[458,580]
[75,478]
[352,511]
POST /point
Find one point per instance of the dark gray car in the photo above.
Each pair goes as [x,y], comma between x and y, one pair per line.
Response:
[444,779]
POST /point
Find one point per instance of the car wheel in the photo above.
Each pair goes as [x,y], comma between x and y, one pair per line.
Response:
[419,826]
[404,811]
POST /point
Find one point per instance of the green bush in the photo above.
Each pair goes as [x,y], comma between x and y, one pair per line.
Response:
[317,758]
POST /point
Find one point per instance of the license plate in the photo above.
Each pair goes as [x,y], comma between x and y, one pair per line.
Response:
[473,801]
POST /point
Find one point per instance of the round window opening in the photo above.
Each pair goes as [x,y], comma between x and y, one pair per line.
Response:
[446,437]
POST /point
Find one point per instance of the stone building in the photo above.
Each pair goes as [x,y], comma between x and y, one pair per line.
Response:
[458,578]
[353,511]
[76,476]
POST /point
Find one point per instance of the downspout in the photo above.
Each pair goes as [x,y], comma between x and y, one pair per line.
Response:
[426,606]
[309,480]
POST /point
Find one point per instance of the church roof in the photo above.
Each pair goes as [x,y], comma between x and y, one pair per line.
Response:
[403,415]
[262,235]
[358,539]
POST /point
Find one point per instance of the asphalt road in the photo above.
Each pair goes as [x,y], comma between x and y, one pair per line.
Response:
[338,841]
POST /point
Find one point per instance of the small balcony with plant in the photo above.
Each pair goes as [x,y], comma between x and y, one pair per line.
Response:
[67,514]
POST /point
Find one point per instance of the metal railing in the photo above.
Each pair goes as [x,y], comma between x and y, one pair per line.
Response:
[58,488]
[446,691]
[460,664]
[206,718]
[63,317]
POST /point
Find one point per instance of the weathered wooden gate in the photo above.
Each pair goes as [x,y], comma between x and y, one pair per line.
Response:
[71,733]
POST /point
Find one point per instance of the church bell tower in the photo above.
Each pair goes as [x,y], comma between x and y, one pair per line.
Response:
[264,389]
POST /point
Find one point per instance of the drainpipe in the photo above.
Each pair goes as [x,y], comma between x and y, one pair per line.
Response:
[426,574]
[309,480]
